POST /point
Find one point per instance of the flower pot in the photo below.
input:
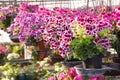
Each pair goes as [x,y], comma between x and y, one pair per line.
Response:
[43,53]
[94,62]
[116,59]
[118,55]
[14,38]
[28,77]
[41,45]
[24,77]
[20,77]
[56,58]
[71,63]
[35,79]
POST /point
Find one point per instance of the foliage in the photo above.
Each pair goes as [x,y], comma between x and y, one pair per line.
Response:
[7,13]
[3,53]
[9,70]
[115,39]
[6,23]
[115,33]
[83,47]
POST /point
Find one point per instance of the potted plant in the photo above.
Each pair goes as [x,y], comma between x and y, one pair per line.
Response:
[7,13]
[86,47]
[9,71]
[115,40]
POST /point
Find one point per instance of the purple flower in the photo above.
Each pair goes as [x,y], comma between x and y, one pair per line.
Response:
[96,39]
[21,38]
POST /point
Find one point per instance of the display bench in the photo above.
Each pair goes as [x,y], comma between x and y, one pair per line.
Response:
[20,60]
[106,71]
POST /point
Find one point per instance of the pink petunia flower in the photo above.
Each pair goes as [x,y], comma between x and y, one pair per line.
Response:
[71,72]
[61,76]
[78,77]
[51,78]
[100,77]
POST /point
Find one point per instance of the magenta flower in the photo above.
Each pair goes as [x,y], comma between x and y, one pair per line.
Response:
[51,78]
[97,77]
[61,76]
[71,72]
[104,42]
[96,39]
[118,24]
[78,77]
[9,10]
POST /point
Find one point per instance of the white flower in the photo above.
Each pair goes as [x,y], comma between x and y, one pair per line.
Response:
[12,56]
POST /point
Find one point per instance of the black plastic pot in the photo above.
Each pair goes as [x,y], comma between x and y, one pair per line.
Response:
[24,77]
[14,38]
[116,60]
[94,62]
[55,58]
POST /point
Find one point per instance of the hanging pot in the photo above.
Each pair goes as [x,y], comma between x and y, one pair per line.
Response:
[14,38]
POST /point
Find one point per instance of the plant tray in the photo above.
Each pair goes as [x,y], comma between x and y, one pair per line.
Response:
[90,71]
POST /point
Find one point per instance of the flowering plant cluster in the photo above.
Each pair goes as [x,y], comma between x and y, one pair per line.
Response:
[7,13]
[71,74]
[9,10]
[116,31]
[3,49]
[54,25]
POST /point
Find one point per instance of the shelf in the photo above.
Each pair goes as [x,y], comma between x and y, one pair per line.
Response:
[20,61]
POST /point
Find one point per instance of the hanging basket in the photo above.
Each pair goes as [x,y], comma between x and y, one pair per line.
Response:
[14,38]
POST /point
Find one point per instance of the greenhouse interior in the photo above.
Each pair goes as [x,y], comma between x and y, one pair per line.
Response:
[44,39]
